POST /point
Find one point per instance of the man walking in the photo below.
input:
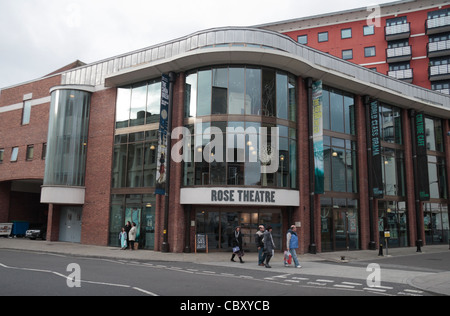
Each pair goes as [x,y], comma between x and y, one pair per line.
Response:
[292,245]
[269,245]
[259,239]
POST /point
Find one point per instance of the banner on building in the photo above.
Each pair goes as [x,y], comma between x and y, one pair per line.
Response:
[161,164]
[318,137]
[376,157]
[422,160]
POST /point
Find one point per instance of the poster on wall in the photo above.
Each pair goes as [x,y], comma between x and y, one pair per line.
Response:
[422,159]
[318,137]
[162,158]
[377,177]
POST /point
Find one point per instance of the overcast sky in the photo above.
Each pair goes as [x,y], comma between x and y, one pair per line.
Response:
[40,36]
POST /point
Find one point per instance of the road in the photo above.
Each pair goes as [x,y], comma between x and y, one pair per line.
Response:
[43,274]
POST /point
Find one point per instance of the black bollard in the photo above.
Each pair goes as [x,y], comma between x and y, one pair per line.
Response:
[381,250]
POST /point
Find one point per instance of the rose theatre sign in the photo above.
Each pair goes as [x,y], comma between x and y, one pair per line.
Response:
[240,196]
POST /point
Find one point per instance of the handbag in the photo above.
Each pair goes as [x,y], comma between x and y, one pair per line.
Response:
[236,249]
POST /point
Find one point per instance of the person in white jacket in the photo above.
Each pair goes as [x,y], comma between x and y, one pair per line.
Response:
[132,236]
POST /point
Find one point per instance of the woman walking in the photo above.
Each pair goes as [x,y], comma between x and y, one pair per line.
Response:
[269,245]
[237,244]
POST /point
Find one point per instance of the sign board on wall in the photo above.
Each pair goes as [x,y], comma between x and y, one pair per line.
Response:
[239,196]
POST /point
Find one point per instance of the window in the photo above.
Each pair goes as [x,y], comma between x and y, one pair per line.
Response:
[30,152]
[369,30]
[302,39]
[323,37]
[346,33]
[369,51]
[44,151]
[338,111]
[135,160]
[138,104]
[396,21]
[2,154]
[14,154]
[347,54]
[340,165]
[26,112]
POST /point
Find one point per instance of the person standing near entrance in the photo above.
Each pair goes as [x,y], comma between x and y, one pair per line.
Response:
[127,230]
[123,239]
[269,245]
[259,239]
[292,245]
[237,244]
[132,236]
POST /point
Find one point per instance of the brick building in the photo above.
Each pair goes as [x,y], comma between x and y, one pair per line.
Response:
[79,148]
[408,40]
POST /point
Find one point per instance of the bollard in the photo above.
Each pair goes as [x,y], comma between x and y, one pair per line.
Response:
[381,250]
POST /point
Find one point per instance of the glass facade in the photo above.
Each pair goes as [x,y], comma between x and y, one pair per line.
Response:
[243,103]
[67,138]
[134,161]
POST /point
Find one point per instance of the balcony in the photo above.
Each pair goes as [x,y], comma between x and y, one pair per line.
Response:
[441,72]
[398,54]
[396,32]
[437,49]
[405,75]
[444,91]
[438,25]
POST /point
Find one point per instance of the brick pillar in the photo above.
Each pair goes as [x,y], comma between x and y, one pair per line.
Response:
[177,221]
[302,212]
[409,178]
[53,222]
[363,176]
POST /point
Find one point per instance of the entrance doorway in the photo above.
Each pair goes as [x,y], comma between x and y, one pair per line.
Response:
[70,224]
[392,218]
[219,226]
[339,225]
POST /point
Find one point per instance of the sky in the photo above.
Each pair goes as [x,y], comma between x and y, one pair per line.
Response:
[38,37]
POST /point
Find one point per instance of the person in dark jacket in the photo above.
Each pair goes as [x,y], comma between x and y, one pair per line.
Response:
[259,237]
[269,245]
[237,242]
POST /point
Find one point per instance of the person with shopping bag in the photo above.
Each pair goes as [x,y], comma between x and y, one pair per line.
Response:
[292,246]
[237,244]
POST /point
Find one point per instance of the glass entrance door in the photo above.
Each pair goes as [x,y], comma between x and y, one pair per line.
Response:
[219,226]
[339,224]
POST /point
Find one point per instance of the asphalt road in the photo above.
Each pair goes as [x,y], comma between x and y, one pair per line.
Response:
[38,274]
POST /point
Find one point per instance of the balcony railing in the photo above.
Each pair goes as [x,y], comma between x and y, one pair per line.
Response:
[405,74]
[398,54]
[444,91]
[441,72]
[438,25]
[437,49]
[395,32]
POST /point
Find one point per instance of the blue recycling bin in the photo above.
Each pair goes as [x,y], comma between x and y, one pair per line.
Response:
[19,228]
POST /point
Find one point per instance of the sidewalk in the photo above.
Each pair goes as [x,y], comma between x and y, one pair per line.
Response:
[318,264]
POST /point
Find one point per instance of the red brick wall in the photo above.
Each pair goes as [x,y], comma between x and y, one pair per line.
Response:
[14,134]
[96,209]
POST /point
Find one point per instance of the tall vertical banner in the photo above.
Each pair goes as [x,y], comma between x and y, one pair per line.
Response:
[377,177]
[318,137]
[161,165]
[422,159]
